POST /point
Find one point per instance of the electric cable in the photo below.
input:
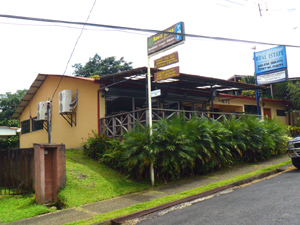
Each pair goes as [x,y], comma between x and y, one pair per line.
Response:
[145,30]
[73,50]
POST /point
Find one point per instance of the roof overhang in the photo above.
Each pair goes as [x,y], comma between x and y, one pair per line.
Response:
[183,82]
[37,83]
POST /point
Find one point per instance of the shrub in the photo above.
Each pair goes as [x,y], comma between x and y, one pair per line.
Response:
[95,145]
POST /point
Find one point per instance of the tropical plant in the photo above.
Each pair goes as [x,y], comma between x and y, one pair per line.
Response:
[95,145]
[138,154]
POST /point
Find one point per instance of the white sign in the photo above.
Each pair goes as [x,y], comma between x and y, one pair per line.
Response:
[155,93]
[271,78]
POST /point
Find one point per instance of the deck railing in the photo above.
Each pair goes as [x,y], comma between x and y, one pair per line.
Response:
[115,125]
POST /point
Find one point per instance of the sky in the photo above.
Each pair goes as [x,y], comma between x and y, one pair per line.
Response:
[28,48]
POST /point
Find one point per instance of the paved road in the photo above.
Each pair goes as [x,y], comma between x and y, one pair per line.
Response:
[275,200]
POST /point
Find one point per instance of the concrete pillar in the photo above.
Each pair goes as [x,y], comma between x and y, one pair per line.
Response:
[49,171]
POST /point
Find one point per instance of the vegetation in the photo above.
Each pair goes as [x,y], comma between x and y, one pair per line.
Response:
[16,207]
[8,104]
[89,181]
[98,66]
[180,148]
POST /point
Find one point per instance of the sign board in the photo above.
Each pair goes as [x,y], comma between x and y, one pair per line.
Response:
[269,78]
[162,41]
[155,93]
[269,60]
[270,65]
[166,60]
[165,74]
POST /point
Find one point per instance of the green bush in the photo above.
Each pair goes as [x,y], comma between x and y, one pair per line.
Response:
[95,145]
[180,148]
[9,142]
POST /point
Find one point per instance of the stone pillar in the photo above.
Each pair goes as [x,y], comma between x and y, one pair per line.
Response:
[49,171]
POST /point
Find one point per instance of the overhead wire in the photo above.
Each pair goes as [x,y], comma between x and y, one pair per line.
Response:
[144,30]
[73,50]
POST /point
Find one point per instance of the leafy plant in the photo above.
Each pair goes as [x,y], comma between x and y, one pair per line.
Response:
[95,145]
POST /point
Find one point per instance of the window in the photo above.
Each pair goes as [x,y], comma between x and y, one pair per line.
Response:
[280,113]
[251,109]
[37,124]
[25,125]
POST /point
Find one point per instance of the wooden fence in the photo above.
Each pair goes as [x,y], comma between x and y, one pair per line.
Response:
[16,171]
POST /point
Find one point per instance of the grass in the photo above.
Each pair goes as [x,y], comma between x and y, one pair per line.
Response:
[89,181]
[146,205]
[16,207]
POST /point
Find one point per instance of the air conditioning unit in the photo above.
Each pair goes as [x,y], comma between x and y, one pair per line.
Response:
[41,111]
[65,99]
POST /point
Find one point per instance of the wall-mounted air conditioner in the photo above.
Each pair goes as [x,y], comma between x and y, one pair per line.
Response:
[41,111]
[65,99]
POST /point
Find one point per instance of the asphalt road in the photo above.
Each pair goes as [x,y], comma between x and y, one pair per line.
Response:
[275,200]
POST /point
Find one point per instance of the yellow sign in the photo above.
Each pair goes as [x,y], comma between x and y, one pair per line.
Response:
[165,74]
[166,60]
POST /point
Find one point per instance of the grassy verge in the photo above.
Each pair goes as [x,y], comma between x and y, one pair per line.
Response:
[87,181]
[147,205]
[16,207]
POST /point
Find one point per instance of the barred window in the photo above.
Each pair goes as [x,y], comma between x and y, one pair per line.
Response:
[37,124]
[25,125]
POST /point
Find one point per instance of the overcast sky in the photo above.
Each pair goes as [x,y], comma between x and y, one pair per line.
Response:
[28,48]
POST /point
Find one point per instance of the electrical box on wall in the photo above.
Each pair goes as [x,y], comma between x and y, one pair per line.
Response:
[41,111]
[65,99]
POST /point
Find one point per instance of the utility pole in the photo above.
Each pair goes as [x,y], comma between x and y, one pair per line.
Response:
[49,109]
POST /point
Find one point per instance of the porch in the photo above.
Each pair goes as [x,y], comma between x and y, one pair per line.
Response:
[116,125]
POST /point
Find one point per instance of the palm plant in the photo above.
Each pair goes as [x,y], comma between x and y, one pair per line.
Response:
[173,147]
[138,153]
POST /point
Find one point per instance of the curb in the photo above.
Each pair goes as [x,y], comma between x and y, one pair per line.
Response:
[123,219]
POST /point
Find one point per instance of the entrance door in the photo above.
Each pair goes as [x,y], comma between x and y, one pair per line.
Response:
[48,175]
[267,113]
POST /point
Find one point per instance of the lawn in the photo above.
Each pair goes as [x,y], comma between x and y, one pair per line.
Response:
[87,181]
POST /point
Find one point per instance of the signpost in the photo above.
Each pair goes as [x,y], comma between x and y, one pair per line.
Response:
[270,67]
[157,43]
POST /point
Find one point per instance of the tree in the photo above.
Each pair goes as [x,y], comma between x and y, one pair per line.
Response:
[293,93]
[8,104]
[98,66]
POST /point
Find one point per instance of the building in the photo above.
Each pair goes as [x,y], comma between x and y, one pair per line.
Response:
[116,102]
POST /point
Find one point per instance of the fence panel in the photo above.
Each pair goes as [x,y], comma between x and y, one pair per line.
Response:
[16,171]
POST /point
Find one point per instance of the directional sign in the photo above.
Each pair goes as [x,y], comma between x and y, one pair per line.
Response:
[162,41]
[165,74]
[166,60]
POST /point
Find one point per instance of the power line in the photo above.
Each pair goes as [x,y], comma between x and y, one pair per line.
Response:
[143,30]
[73,49]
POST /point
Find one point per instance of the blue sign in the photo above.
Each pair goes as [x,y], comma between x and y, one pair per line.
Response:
[270,60]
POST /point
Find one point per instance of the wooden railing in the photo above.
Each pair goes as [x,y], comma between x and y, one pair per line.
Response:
[115,125]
